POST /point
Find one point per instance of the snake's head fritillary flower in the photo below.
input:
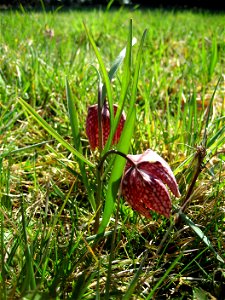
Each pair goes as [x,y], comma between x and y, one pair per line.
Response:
[143,184]
[92,125]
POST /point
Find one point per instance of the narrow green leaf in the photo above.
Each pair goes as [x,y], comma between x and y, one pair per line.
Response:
[30,276]
[117,171]
[204,142]
[58,215]
[125,83]
[105,76]
[137,70]
[119,60]
[81,285]
[2,238]
[213,58]
[29,282]
[74,123]
[204,61]
[115,66]
[216,137]
[133,283]
[202,236]
[22,149]
[97,292]
[52,132]
[157,285]
[73,118]
[109,5]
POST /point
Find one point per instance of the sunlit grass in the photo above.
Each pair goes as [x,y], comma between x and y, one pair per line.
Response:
[46,220]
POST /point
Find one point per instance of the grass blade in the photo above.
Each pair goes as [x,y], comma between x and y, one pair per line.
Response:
[116,64]
[213,58]
[202,236]
[216,136]
[119,60]
[52,132]
[137,70]
[2,246]
[125,83]
[105,76]
[24,149]
[209,113]
[134,280]
[77,142]
[29,282]
[173,265]
[73,118]
[82,283]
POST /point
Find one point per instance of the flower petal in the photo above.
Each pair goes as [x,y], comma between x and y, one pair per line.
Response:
[165,174]
[144,193]
[92,126]
[154,165]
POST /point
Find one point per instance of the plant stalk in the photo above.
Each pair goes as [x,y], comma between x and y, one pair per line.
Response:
[99,182]
[200,155]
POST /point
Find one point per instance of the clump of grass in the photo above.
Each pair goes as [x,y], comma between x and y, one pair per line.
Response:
[48,249]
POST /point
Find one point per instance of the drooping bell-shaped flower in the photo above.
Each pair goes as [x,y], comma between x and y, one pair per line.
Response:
[143,184]
[92,129]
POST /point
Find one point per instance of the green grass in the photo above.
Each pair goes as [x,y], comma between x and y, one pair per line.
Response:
[48,249]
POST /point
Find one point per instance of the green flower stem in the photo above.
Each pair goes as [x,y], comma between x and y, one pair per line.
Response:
[100,105]
[99,171]
[113,151]
[200,155]
[99,182]
[98,199]
[112,252]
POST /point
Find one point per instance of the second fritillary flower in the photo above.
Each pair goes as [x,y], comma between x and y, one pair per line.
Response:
[143,184]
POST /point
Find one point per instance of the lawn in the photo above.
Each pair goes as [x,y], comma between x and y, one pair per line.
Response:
[66,230]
